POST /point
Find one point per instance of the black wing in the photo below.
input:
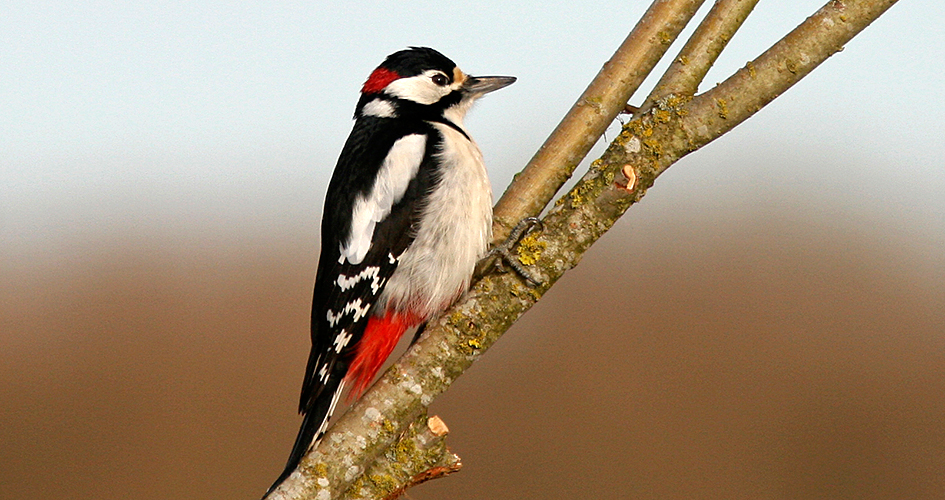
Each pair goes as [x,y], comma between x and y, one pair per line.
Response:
[345,292]
[342,286]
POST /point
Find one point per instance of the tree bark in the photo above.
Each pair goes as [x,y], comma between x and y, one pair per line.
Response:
[388,420]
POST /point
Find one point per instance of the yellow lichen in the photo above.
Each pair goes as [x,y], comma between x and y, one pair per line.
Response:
[653,147]
[456,318]
[384,482]
[529,249]
[358,484]
[751,69]
[661,115]
[722,104]
[579,193]
[673,102]
[404,450]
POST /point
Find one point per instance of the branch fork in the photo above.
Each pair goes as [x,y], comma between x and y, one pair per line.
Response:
[385,442]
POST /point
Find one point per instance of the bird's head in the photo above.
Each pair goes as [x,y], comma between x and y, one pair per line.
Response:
[421,81]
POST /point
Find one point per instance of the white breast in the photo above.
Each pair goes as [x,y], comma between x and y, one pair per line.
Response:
[453,233]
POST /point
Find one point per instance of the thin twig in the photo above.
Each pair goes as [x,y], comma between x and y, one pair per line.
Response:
[825,33]
[687,71]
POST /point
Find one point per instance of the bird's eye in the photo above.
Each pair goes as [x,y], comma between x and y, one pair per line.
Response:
[440,79]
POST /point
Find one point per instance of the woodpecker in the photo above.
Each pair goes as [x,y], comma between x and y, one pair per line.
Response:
[407,216]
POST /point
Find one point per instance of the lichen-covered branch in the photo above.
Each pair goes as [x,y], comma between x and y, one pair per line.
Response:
[418,456]
[606,96]
[362,439]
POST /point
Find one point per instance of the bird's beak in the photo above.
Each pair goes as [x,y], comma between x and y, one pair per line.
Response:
[480,85]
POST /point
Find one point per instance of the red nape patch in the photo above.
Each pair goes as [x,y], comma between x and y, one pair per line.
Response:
[380,337]
[378,80]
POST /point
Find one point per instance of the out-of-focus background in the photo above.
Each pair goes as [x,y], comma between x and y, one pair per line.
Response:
[769,323]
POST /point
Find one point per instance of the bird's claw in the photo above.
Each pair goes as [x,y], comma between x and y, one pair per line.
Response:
[503,251]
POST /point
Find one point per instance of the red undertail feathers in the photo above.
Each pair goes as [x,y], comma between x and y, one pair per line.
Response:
[380,337]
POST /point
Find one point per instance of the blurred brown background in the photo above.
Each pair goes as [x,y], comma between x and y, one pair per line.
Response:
[702,354]
[769,323]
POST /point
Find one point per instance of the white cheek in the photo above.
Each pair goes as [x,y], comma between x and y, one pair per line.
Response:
[417,89]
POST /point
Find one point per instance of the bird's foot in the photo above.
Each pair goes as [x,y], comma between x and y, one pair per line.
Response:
[502,253]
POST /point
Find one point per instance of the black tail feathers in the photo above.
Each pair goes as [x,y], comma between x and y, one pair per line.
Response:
[315,422]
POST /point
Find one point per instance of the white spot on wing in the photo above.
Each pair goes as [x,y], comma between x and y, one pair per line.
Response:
[342,340]
[346,282]
[355,307]
[333,318]
[399,168]
[351,307]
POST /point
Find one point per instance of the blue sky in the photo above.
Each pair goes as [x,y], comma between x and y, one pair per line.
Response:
[176,118]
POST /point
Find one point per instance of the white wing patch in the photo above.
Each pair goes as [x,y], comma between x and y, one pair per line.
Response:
[355,307]
[399,168]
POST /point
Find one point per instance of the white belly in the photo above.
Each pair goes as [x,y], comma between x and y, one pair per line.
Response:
[453,234]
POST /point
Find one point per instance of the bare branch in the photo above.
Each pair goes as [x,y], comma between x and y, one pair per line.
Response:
[647,145]
[826,32]
[598,106]
[687,71]
[420,455]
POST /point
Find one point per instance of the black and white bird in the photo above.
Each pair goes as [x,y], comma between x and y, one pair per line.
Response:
[407,215]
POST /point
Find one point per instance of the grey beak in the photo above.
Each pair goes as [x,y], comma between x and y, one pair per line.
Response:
[484,84]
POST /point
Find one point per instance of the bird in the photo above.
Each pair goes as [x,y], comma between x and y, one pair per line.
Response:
[407,215]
